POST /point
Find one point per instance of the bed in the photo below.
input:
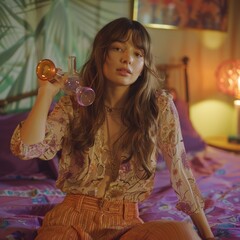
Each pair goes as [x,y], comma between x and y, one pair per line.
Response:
[27,188]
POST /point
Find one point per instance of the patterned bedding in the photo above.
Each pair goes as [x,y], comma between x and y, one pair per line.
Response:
[24,201]
[218,176]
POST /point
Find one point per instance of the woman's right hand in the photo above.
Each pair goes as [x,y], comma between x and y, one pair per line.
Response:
[51,88]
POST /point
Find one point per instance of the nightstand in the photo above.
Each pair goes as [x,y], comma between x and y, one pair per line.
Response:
[222,142]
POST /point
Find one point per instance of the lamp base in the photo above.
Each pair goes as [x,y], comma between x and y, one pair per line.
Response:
[234,139]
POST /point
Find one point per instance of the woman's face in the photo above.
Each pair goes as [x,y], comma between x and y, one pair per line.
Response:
[124,63]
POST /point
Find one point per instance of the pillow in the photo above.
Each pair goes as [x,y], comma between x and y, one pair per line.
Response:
[192,140]
[10,164]
[50,167]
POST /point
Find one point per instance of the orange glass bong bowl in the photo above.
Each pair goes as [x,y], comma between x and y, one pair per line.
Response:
[47,71]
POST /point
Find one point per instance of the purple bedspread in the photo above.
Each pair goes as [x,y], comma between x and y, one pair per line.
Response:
[218,177]
[24,202]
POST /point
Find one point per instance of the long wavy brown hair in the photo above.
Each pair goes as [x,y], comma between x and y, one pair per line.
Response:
[141,111]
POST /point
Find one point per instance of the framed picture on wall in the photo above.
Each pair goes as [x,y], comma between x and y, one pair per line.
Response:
[172,14]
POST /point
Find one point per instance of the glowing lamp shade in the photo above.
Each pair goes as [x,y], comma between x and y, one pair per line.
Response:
[228,77]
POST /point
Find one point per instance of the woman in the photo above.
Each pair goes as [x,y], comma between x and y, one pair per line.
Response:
[109,149]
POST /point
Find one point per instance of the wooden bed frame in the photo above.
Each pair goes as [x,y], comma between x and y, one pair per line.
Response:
[8,100]
[183,66]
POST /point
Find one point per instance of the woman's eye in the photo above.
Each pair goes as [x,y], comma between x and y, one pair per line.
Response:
[118,49]
[139,54]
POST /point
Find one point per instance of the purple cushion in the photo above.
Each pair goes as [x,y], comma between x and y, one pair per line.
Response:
[192,140]
[50,167]
[10,164]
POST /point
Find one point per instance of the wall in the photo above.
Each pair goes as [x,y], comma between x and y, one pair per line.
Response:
[212,113]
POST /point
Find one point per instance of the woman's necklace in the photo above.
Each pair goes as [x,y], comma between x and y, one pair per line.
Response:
[113,109]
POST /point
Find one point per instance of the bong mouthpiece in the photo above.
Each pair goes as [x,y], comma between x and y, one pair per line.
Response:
[46,70]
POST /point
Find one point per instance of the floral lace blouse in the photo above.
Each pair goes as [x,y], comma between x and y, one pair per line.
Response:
[90,175]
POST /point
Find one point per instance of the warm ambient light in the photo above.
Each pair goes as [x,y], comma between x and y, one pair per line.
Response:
[213,39]
[237,102]
[228,79]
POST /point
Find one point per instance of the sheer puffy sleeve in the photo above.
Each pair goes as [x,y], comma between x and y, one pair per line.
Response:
[172,147]
[57,128]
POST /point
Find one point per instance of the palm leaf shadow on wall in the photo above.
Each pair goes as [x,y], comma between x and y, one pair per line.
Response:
[31,30]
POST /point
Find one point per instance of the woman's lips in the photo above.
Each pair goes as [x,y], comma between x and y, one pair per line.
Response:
[124,71]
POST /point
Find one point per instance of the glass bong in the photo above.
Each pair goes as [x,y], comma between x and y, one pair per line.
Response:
[47,71]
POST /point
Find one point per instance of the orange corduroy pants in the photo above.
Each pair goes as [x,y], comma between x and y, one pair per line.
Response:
[81,217]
